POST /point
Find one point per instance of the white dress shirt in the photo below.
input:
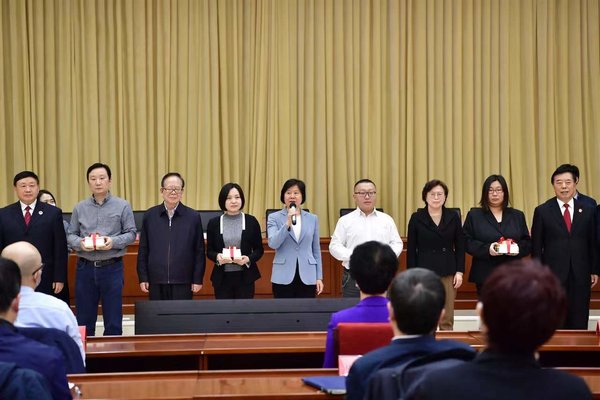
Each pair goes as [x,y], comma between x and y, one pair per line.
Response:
[40,310]
[356,228]
[561,205]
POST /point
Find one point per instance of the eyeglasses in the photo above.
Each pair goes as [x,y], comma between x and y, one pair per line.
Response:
[496,191]
[365,194]
[175,190]
[40,268]
[436,194]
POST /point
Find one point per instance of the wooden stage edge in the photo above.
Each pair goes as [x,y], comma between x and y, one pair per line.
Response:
[466,297]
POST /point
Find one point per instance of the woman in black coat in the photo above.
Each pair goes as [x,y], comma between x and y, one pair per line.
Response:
[234,243]
[487,226]
[436,242]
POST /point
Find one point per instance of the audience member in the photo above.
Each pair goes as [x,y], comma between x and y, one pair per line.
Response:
[294,235]
[416,307]
[522,304]
[171,258]
[102,226]
[362,225]
[16,348]
[41,225]
[564,238]
[39,310]
[234,274]
[373,265]
[18,383]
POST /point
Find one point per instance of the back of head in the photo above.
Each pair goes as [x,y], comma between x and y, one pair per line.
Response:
[10,283]
[373,265]
[26,256]
[523,304]
[417,297]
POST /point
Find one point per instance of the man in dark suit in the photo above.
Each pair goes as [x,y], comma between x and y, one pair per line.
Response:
[416,306]
[564,238]
[18,349]
[40,224]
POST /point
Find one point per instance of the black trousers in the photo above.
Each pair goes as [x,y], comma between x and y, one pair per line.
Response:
[167,291]
[233,287]
[349,288]
[578,303]
[295,289]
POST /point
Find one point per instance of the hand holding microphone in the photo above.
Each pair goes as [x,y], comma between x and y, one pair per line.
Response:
[293,209]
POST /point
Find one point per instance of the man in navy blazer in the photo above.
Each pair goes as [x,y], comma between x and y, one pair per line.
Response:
[41,225]
[18,349]
[416,307]
[563,237]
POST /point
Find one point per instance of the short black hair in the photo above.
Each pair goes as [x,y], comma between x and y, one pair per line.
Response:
[290,183]
[484,202]
[99,165]
[25,174]
[373,265]
[225,192]
[10,283]
[364,180]
[570,168]
[417,297]
[430,185]
[169,175]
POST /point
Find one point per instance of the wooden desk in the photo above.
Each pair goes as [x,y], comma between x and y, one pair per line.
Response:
[283,350]
[255,385]
[205,351]
[591,376]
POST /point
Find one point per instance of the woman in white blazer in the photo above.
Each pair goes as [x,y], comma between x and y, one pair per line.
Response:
[294,235]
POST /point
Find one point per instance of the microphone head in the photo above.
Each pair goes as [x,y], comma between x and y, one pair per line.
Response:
[293,204]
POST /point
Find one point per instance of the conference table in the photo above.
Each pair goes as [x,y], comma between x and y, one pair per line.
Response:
[219,351]
[246,384]
[241,384]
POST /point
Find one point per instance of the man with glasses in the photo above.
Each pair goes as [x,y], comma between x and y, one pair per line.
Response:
[171,256]
[362,225]
[41,225]
[39,310]
[102,226]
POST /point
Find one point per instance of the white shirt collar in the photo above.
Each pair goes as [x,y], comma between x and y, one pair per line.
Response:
[31,206]
[571,204]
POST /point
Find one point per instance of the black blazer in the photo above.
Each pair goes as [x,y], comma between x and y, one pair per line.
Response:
[481,230]
[45,231]
[440,249]
[496,376]
[558,248]
[251,246]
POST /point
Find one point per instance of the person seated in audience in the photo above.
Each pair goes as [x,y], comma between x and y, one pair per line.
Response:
[16,348]
[522,304]
[373,265]
[416,307]
[39,310]
[22,383]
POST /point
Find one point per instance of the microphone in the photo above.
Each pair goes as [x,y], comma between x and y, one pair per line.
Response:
[293,207]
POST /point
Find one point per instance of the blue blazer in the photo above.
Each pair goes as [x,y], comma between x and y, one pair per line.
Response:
[288,251]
